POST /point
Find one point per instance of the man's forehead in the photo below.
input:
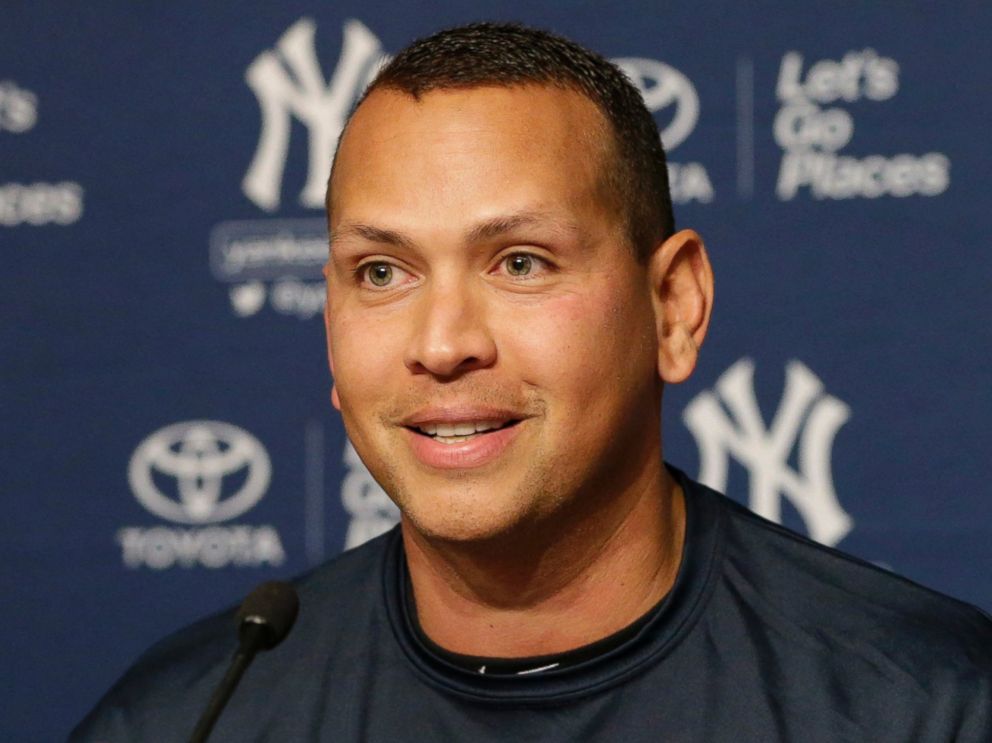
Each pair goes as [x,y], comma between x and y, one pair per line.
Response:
[556,126]
[538,111]
[527,95]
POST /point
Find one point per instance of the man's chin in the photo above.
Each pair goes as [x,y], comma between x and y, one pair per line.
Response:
[455,530]
[463,521]
[472,505]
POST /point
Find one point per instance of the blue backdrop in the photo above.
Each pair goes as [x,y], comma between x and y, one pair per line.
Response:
[167,439]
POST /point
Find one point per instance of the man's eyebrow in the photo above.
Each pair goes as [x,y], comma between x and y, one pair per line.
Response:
[371,234]
[498,226]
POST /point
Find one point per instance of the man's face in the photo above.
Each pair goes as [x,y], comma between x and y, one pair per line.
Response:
[491,333]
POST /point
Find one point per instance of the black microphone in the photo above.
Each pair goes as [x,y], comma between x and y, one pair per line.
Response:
[264,620]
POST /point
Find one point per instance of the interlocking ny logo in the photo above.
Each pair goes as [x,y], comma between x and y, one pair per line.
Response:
[805,416]
[199,472]
[288,82]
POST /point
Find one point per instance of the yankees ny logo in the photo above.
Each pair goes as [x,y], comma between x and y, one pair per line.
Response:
[765,451]
[288,81]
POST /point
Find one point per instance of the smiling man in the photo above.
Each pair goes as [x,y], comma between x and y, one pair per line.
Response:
[498,345]
[507,298]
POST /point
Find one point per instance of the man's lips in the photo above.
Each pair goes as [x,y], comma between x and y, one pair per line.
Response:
[446,431]
[454,414]
[463,420]
[460,438]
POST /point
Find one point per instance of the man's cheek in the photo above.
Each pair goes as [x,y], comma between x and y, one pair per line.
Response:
[362,351]
[564,336]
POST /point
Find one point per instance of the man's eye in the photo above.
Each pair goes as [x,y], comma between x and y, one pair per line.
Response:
[519,264]
[377,274]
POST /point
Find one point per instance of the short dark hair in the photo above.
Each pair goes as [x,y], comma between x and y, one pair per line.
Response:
[509,54]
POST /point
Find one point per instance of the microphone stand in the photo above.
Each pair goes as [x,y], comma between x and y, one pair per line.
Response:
[252,638]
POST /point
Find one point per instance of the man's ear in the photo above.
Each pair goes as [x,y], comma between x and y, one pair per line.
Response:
[682,294]
[335,400]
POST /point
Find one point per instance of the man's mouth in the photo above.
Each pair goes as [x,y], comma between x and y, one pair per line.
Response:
[456,433]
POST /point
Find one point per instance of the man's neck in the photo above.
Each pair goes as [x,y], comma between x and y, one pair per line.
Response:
[544,593]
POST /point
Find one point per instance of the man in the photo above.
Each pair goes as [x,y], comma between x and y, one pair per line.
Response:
[507,298]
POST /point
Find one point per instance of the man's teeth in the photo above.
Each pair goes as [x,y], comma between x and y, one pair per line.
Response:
[452,433]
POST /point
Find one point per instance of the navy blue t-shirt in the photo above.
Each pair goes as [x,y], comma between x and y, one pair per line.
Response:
[765,636]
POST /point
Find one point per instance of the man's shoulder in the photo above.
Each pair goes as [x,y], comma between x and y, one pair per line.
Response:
[824,597]
[172,680]
[330,595]
[839,598]
[831,642]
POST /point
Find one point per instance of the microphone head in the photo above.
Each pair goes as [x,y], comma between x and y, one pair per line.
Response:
[273,607]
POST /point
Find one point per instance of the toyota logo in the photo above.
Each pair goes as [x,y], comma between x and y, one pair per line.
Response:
[664,87]
[199,472]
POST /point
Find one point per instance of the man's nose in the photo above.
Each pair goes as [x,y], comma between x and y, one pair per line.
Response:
[450,335]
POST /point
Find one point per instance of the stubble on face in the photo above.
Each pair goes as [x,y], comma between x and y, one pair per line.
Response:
[472,515]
